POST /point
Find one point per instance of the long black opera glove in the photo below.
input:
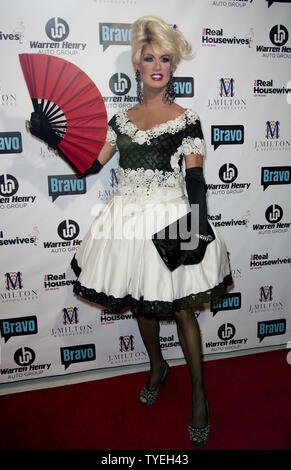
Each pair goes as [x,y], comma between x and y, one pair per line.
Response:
[40,127]
[95,168]
[196,189]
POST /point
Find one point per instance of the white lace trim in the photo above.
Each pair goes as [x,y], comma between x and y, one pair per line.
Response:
[111,136]
[172,127]
[189,145]
[146,181]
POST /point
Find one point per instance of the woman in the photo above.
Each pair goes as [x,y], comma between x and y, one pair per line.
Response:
[155,139]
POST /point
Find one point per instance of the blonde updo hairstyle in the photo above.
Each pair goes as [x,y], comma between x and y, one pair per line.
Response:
[153,30]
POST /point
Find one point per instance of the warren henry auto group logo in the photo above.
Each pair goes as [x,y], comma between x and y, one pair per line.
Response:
[273,215]
[25,358]
[68,230]
[57,31]
[278,37]
[227,340]
[228,174]
[9,186]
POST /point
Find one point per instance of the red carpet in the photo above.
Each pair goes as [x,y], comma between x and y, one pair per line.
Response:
[249,400]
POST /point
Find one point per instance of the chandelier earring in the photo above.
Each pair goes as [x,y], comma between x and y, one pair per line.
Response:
[170,93]
[138,87]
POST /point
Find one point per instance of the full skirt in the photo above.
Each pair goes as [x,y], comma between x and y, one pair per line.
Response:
[118,266]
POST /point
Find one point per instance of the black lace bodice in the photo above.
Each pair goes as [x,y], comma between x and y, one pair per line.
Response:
[159,149]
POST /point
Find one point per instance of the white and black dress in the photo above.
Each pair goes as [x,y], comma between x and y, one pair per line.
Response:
[117,264]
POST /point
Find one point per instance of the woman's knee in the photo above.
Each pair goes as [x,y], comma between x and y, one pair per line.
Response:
[182,316]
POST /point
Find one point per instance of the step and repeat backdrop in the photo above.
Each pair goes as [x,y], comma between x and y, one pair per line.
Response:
[239,82]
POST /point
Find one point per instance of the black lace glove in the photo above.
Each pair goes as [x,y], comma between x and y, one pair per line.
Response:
[94,169]
[40,127]
[196,189]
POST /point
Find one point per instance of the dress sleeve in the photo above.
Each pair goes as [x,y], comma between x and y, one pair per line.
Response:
[193,141]
[111,135]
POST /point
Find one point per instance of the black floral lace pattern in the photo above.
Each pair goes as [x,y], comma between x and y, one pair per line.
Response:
[146,308]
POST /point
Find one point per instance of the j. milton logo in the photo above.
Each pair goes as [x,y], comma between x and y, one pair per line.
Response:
[275,175]
[266,301]
[126,343]
[57,30]
[70,324]
[213,37]
[226,302]
[278,36]
[68,230]
[114,34]
[127,352]
[227,98]
[228,174]
[19,326]
[272,140]
[271,328]
[15,290]
[266,87]
[261,260]
[65,185]
[7,98]
[75,354]
[227,135]
[25,358]
[8,188]
[104,194]
[226,333]
[273,215]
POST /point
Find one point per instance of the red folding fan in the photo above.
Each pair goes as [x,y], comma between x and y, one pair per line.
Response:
[70,106]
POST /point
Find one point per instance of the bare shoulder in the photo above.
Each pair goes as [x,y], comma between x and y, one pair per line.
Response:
[176,110]
[134,110]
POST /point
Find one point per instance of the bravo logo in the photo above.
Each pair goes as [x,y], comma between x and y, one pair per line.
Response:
[114,34]
[274,175]
[227,135]
[18,327]
[64,185]
[81,353]
[184,87]
[271,328]
[10,142]
[226,302]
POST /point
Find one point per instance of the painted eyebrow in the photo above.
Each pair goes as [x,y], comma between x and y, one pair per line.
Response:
[151,55]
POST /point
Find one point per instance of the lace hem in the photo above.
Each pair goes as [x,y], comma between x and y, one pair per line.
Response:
[147,308]
[172,127]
